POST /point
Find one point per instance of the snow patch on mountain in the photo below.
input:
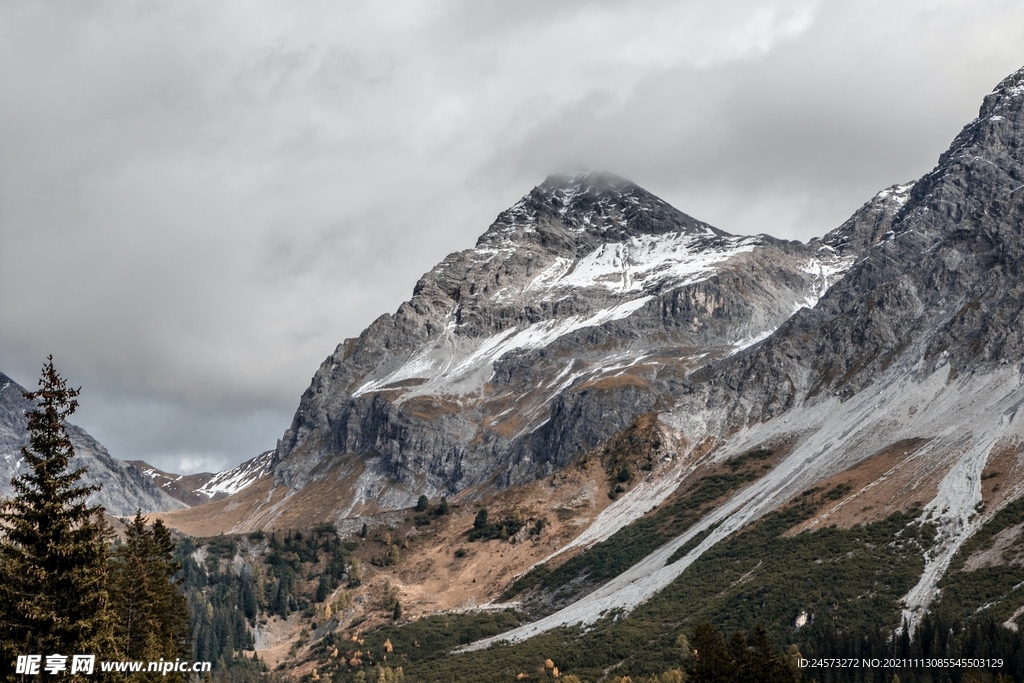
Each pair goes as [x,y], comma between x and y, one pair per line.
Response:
[897,194]
[644,262]
[150,472]
[459,365]
[237,478]
[632,270]
[827,269]
[752,339]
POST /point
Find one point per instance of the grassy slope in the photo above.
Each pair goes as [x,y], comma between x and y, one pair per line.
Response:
[852,578]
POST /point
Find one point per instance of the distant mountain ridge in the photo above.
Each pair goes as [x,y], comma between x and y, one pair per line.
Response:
[204,487]
[181,487]
[125,488]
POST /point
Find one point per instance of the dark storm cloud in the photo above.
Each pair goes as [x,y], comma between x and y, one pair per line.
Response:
[198,201]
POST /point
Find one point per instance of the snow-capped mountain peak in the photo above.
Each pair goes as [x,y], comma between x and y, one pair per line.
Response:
[239,477]
[587,284]
[589,207]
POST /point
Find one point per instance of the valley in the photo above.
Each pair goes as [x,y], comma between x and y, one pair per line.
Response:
[609,424]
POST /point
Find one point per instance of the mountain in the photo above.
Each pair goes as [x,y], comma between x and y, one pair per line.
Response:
[204,487]
[181,487]
[921,339]
[580,308]
[903,382]
[125,488]
[644,423]
[236,479]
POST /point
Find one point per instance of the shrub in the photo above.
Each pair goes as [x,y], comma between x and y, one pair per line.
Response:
[502,529]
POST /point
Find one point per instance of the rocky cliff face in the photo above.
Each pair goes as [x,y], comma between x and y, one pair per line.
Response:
[582,306]
[919,343]
[903,383]
[125,488]
[937,285]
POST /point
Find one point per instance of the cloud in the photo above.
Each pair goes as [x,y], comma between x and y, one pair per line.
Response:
[198,201]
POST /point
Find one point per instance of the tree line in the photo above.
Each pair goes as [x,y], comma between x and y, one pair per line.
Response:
[65,588]
[69,585]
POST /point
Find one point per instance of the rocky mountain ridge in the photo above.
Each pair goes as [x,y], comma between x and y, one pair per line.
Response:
[513,358]
[583,306]
[704,388]
[910,368]
[204,487]
[125,488]
[181,487]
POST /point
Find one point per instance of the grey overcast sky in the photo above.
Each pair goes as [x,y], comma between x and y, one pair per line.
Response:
[199,200]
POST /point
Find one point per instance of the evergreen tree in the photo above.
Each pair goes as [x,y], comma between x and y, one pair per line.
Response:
[767,666]
[250,606]
[53,552]
[355,574]
[152,619]
[323,589]
[711,662]
[480,522]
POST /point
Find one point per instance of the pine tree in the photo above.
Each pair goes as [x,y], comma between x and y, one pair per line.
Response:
[711,661]
[480,522]
[131,591]
[323,589]
[152,620]
[53,552]
[355,574]
[760,662]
